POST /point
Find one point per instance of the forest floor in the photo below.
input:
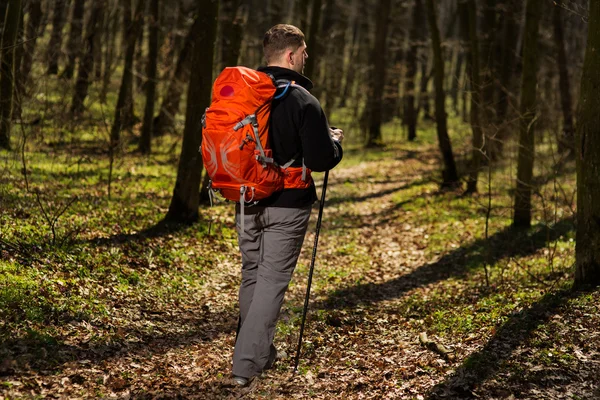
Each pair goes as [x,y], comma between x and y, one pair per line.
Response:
[105,301]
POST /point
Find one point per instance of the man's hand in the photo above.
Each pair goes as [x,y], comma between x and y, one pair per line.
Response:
[337,134]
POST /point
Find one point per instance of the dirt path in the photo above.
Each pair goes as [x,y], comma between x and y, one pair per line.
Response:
[375,271]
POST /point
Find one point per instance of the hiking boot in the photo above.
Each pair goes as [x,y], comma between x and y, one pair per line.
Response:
[240,381]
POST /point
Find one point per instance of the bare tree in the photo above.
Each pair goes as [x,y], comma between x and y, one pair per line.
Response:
[74,42]
[186,198]
[528,109]
[86,66]
[450,174]
[127,81]
[587,270]
[7,70]
[55,44]
[375,93]
[31,34]
[146,137]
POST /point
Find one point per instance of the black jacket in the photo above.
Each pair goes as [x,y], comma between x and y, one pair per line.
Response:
[299,125]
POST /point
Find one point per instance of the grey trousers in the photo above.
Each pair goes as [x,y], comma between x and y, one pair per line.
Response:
[270,246]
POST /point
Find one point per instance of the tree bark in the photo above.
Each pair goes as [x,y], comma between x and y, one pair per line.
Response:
[7,70]
[31,34]
[86,65]
[120,120]
[18,89]
[450,175]
[506,73]
[55,44]
[469,12]
[410,110]
[74,42]
[186,199]
[233,32]
[528,109]
[128,117]
[110,39]
[313,39]
[102,26]
[375,95]
[567,138]
[146,137]
[587,271]
[170,104]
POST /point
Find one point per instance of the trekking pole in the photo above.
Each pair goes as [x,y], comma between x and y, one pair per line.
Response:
[312,267]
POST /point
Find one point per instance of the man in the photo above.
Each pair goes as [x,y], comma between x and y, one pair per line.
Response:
[274,229]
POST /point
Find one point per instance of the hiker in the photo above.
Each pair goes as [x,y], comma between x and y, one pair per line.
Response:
[273,229]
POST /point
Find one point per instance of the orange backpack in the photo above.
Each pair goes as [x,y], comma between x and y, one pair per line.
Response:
[235,138]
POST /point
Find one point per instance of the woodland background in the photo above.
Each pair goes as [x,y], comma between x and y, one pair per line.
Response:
[460,255]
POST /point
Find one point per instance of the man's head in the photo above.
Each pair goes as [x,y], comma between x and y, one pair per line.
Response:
[284,46]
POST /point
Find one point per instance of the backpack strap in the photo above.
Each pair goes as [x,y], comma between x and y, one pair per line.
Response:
[251,119]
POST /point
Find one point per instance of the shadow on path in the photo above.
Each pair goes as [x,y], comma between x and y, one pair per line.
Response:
[485,363]
[506,243]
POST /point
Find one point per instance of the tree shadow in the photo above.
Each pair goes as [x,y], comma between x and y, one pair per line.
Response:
[375,195]
[486,362]
[47,354]
[161,228]
[506,243]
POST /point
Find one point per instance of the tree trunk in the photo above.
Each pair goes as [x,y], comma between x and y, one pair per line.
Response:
[423,92]
[506,73]
[31,35]
[375,95]
[111,42]
[170,104]
[128,117]
[86,65]
[450,175]
[7,70]
[127,79]
[487,61]
[146,138]
[18,89]
[354,45]
[528,108]
[313,39]
[233,32]
[567,138]
[55,44]
[460,58]
[469,13]
[74,42]
[102,25]
[410,111]
[185,201]
[587,271]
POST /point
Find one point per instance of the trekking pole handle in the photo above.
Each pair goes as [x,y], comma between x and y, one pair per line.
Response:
[312,267]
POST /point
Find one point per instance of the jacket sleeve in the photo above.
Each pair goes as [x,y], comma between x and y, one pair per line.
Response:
[321,152]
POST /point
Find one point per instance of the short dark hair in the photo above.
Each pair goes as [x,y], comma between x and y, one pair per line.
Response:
[279,38]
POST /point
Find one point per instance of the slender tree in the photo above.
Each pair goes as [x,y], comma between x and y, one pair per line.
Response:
[450,175]
[186,198]
[313,39]
[74,42]
[55,44]
[587,270]
[127,80]
[86,66]
[110,38]
[566,140]
[410,110]
[375,93]
[128,114]
[469,11]
[146,137]
[169,108]
[31,34]
[18,89]
[232,25]
[528,109]
[7,70]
